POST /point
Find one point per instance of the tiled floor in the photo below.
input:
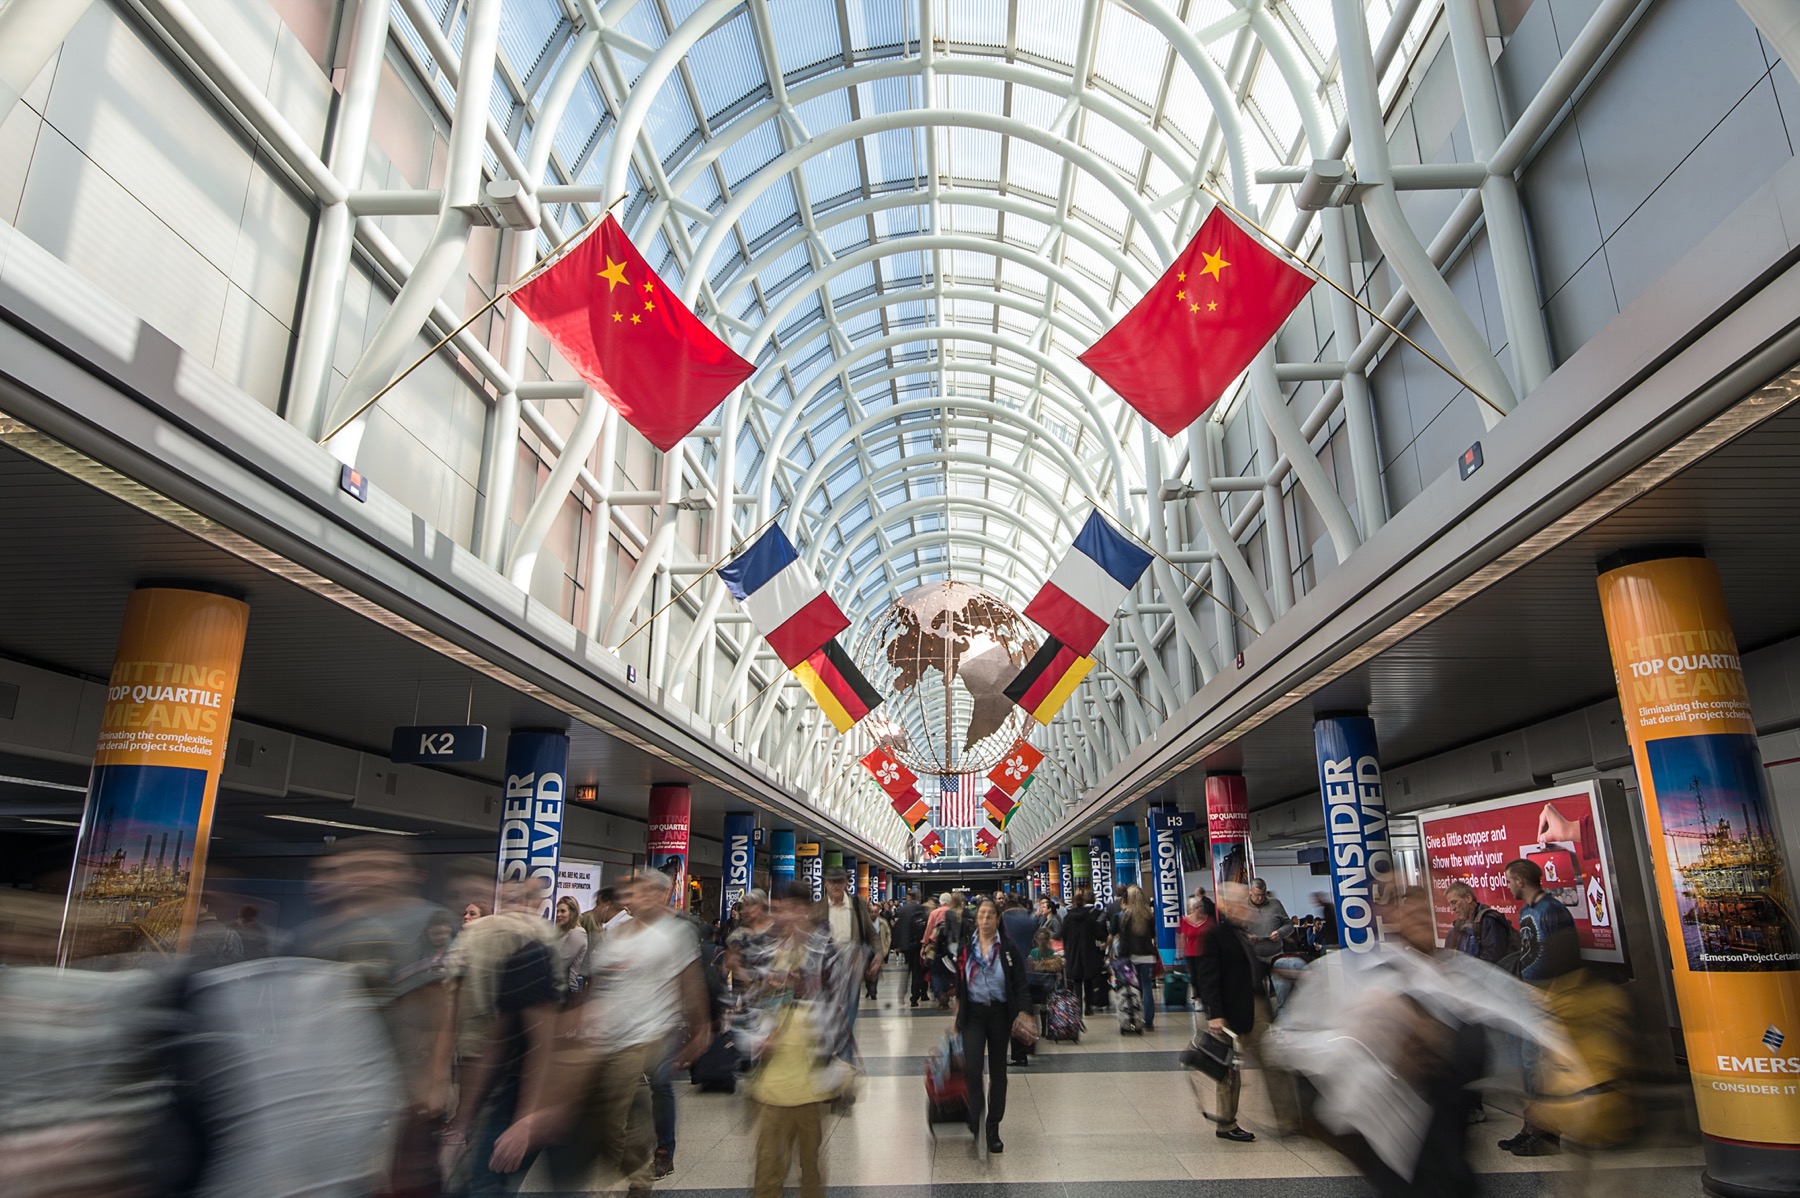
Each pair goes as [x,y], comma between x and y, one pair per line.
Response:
[1111,1114]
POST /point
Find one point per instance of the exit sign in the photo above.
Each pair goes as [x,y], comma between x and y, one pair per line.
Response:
[439,744]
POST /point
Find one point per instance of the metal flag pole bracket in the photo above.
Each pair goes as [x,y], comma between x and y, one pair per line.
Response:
[1171,563]
[701,577]
[551,258]
[1126,683]
[780,677]
[1332,283]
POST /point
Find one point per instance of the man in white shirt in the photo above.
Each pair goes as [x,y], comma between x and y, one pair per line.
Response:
[647,1007]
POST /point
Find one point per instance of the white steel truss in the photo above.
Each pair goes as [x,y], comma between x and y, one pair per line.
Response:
[912,216]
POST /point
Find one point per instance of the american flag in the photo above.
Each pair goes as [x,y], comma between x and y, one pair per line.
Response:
[959,800]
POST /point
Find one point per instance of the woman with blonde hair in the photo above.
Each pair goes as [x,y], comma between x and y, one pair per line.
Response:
[571,943]
[1134,940]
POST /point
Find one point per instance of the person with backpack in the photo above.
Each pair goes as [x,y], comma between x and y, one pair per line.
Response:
[944,938]
[1479,930]
[909,936]
[1135,942]
[1084,951]
[1021,930]
[1547,950]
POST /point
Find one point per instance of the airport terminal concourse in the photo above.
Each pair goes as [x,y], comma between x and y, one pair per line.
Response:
[909,598]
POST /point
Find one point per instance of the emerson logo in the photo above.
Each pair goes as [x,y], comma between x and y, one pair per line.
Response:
[1772,1040]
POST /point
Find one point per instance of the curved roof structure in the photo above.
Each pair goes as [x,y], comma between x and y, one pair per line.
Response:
[912,217]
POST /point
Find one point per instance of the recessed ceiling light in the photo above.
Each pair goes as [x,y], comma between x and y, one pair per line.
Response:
[332,823]
[56,823]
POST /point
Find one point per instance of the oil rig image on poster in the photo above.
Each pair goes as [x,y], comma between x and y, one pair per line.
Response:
[1732,886]
[133,874]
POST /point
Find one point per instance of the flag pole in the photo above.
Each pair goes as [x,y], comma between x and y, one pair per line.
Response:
[1124,682]
[1170,562]
[782,676]
[1066,772]
[1332,283]
[548,260]
[700,578]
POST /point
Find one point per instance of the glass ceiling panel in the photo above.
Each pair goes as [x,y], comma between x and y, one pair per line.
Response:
[994,185]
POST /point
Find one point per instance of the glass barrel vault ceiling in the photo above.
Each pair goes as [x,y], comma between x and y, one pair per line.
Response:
[958,212]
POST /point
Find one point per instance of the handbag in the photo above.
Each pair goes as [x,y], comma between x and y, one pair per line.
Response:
[1212,1054]
[1024,1028]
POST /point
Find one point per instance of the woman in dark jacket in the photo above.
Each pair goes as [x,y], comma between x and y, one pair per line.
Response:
[990,999]
[1084,952]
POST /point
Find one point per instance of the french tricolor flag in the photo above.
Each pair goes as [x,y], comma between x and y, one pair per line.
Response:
[782,598]
[1079,600]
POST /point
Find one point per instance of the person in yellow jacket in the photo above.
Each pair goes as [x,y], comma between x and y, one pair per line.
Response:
[1584,1096]
[801,1071]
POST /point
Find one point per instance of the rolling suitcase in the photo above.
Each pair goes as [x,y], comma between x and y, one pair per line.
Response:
[1131,1011]
[1175,991]
[1063,1023]
[946,1083]
[716,1071]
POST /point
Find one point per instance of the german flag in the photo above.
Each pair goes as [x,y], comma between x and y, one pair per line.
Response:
[837,686]
[1048,679]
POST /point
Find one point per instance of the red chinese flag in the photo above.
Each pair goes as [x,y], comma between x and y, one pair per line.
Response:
[1198,326]
[630,337]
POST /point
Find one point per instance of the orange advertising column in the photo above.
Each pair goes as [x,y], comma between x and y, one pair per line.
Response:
[140,858]
[1727,899]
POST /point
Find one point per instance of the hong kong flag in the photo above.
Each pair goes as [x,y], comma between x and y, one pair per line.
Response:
[630,337]
[1197,328]
[1016,767]
[889,774]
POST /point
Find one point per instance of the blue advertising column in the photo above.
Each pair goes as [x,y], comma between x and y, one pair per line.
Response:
[531,815]
[849,864]
[740,860]
[781,860]
[1167,826]
[1125,856]
[1356,831]
[1100,864]
[1066,877]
